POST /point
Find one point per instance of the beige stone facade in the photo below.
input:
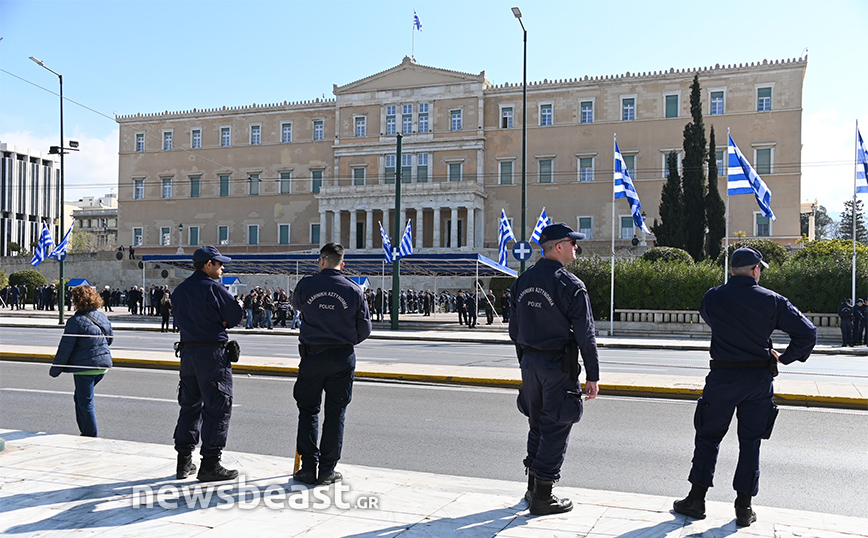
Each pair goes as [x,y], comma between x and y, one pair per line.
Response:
[294,175]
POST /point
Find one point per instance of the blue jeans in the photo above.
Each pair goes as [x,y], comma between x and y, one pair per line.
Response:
[249,324]
[83,397]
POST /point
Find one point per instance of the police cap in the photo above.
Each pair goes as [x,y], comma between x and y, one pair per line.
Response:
[557,231]
[207,253]
[746,257]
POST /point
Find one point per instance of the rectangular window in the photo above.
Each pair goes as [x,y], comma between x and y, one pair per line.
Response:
[763,163]
[224,185]
[360,126]
[140,142]
[358,176]
[194,236]
[318,130]
[586,169]
[283,234]
[196,139]
[628,109]
[763,226]
[671,106]
[423,117]
[406,168]
[255,135]
[253,182]
[506,118]
[194,187]
[390,169]
[165,236]
[763,99]
[545,171]
[138,189]
[627,231]
[314,234]
[422,168]
[586,226]
[315,181]
[252,234]
[391,121]
[286,133]
[167,187]
[167,140]
[285,182]
[506,172]
[587,112]
[545,115]
[630,161]
[456,120]
[407,109]
[455,172]
[137,237]
[716,103]
[407,119]
[720,157]
[223,235]
[225,137]
[666,164]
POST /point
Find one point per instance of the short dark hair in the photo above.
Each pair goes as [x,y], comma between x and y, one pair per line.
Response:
[199,265]
[333,253]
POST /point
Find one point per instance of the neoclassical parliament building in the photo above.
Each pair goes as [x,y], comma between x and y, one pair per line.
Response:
[292,176]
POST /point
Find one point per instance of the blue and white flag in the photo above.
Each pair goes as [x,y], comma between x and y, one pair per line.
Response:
[387,245]
[504,234]
[624,189]
[417,24]
[743,179]
[59,252]
[406,247]
[43,246]
[541,223]
[861,162]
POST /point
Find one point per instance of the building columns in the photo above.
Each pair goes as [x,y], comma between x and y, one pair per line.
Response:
[437,217]
[420,219]
[336,228]
[369,229]
[471,228]
[453,228]
[354,219]
[322,228]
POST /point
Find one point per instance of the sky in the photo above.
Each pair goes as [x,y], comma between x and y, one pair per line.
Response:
[144,56]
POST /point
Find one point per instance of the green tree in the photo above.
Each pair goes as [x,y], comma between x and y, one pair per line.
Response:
[822,223]
[669,231]
[715,210]
[3,279]
[695,147]
[845,229]
[29,278]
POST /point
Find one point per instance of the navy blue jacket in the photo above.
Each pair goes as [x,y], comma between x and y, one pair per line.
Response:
[549,306]
[742,315]
[90,350]
[201,305]
[333,310]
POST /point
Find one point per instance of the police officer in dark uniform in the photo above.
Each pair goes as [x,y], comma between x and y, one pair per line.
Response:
[742,315]
[336,318]
[845,315]
[862,311]
[550,322]
[204,309]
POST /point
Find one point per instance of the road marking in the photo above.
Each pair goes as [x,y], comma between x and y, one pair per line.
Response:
[98,396]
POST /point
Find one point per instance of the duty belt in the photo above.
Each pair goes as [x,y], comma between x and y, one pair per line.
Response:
[527,349]
[323,347]
[213,343]
[726,365]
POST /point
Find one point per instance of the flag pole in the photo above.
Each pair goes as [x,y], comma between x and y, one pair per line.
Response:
[855,176]
[413,39]
[726,234]
[612,279]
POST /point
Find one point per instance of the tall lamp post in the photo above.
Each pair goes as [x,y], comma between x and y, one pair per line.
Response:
[180,238]
[517,13]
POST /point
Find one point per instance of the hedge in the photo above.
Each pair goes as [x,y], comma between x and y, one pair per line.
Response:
[30,278]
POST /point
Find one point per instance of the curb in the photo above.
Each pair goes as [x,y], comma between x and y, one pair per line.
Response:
[640,391]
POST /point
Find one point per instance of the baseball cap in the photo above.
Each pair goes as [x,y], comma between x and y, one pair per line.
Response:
[203,254]
[558,230]
[746,256]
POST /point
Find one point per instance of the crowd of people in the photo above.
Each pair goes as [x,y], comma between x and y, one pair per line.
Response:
[466,304]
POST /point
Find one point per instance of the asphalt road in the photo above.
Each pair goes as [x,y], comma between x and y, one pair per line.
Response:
[816,459]
[840,368]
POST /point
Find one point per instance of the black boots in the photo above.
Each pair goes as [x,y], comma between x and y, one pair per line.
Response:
[544,503]
[744,514]
[185,467]
[212,471]
[694,504]
[528,495]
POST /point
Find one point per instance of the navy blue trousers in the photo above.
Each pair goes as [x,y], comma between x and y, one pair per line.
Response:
[553,403]
[205,397]
[331,371]
[748,393]
[85,416]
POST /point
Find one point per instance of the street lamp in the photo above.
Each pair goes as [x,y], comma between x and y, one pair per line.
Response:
[517,13]
[180,238]
[643,242]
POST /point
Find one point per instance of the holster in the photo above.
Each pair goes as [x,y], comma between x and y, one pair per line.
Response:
[233,350]
[570,360]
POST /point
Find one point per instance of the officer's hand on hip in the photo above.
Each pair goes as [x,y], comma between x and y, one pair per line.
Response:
[591,389]
[775,354]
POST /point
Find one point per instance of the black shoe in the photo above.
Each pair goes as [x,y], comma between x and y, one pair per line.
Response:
[330,478]
[694,508]
[305,476]
[544,503]
[528,495]
[744,516]
[215,472]
[186,467]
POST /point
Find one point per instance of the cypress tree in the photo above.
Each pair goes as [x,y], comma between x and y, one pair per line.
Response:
[845,229]
[715,210]
[694,177]
[669,231]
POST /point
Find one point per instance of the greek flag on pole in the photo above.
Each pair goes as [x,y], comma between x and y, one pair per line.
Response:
[42,246]
[861,163]
[387,245]
[541,223]
[504,234]
[416,22]
[624,189]
[743,179]
[59,252]
[406,247]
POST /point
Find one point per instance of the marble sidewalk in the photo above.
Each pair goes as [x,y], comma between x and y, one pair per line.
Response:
[62,485]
